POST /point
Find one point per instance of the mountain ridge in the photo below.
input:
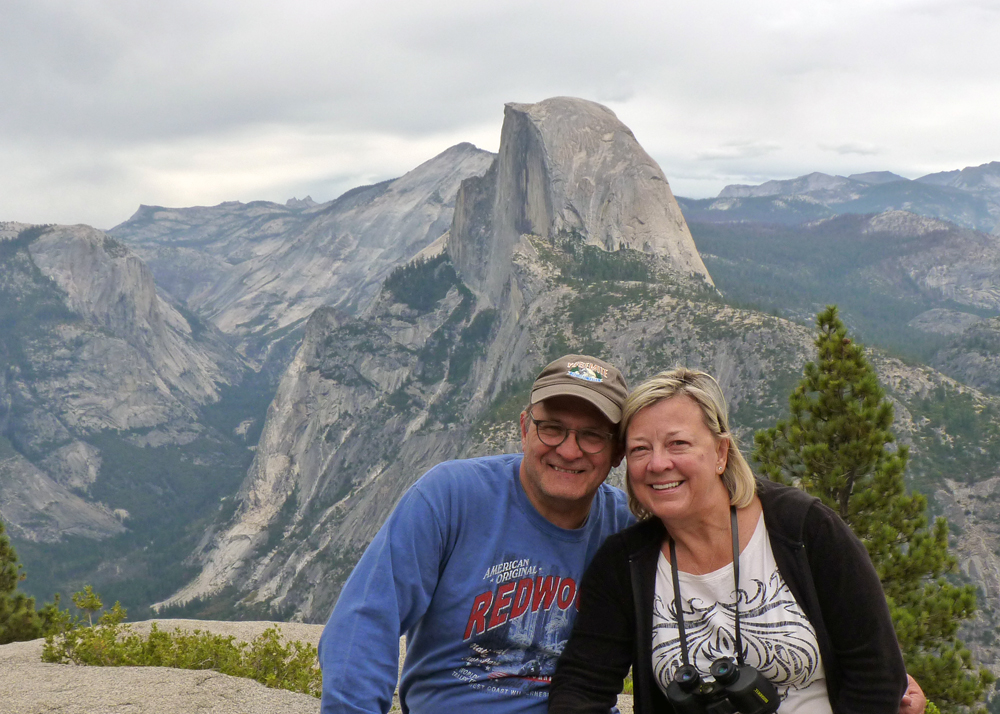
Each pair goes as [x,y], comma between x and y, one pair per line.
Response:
[258,270]
[969,197]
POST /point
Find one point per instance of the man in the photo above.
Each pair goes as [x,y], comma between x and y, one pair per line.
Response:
[479,562]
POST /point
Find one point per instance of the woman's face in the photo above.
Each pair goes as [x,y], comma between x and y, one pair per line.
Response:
[675,462]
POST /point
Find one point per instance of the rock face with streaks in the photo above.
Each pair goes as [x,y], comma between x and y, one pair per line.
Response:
[108,286]
[36,507]
[88,347]
[567,167]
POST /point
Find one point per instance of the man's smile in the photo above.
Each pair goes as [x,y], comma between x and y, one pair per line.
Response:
[564,470]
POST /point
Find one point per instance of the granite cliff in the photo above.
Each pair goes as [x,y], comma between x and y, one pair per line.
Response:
[257,271]
[567,167]
[88,348]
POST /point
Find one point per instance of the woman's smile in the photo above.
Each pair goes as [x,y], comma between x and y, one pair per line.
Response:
[665,486]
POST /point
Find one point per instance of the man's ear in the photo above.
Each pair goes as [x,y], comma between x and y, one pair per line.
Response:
[524,428]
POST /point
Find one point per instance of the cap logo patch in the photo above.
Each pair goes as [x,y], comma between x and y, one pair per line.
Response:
[587,371]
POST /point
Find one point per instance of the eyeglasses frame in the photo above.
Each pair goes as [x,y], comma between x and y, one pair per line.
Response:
[608,441]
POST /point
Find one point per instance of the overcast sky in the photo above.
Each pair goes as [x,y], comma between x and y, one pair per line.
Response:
[108,104]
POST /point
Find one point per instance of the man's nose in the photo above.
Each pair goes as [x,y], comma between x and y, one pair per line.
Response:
[570,448]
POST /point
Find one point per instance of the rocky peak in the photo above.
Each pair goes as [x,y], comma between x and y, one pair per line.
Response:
[877,177]
[566,166]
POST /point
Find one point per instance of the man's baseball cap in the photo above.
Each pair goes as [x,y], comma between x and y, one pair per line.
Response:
[586,377]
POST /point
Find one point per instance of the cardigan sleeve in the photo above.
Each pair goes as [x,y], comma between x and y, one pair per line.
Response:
[856,616]
[597,657]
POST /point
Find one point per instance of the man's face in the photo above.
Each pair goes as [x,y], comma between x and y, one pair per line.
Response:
[561,481]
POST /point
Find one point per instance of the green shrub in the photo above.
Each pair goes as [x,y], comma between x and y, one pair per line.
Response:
[422,283]
[593,263]
[266,659]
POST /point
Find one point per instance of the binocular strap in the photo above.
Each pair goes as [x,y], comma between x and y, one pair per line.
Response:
[678,604]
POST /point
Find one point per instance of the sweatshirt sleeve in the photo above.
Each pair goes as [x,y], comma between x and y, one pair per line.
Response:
[386,594]
[872,673]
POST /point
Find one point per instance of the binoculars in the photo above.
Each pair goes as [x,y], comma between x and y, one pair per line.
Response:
[736,690]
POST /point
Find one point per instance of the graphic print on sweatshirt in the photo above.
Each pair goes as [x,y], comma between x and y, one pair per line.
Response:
[517,627]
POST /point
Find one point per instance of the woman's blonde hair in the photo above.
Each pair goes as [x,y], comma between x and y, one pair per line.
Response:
[707,394]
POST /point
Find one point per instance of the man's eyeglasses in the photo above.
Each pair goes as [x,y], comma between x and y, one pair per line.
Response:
[590,441]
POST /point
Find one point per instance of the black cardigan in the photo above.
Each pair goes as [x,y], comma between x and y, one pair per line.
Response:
[824,565]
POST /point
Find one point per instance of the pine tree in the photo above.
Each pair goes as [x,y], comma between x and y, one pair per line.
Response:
[88,601]
[838,445]
[18,618]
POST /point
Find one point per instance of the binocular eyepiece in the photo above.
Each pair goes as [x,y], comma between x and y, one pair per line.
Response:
[736,690]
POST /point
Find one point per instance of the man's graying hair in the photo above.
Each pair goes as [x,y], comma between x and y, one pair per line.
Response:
[707,394]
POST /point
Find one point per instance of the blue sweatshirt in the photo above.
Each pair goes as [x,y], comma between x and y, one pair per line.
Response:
[482,585]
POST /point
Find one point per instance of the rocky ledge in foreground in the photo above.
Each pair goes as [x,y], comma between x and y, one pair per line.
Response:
[30,686]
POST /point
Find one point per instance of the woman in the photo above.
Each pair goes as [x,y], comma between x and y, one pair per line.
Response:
[808,611]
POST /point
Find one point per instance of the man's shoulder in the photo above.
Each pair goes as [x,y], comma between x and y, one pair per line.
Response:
[609,512]
[469,476]
[616,499]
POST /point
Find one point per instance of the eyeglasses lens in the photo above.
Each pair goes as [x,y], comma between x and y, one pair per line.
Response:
[554,434]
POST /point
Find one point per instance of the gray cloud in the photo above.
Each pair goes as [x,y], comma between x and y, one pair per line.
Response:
[111,103]
[857,149]
[745,149]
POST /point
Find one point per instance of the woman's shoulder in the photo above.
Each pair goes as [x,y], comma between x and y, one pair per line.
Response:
[778,498]
[791,513]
